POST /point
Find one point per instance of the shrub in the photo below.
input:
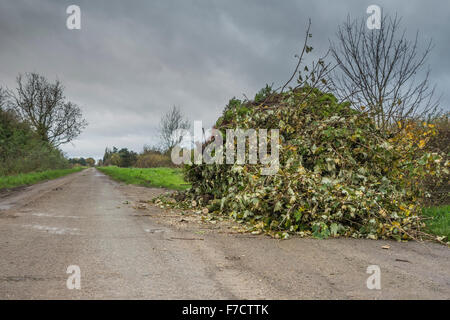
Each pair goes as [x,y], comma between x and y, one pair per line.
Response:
[153,160]
[21,150]
[153,157]
[439,189]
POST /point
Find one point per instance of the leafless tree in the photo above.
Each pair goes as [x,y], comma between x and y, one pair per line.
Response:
[45,107]
[172,121]
[382,72]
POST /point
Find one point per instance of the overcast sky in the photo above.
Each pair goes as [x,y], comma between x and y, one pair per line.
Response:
[132,60]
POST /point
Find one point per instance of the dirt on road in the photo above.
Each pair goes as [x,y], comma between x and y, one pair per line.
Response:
[127,248]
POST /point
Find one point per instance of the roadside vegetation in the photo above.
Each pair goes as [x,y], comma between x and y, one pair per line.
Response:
[35,119]
[170,178]
[25,179]
[21,149]
[439,220]
[89,162]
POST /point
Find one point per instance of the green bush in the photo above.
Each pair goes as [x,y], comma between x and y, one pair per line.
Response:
[153,160]
[439,189]
[22,151]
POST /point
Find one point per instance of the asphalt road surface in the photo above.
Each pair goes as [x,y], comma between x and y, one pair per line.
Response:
[128,250]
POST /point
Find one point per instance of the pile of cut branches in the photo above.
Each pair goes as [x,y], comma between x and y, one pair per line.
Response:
[338,174]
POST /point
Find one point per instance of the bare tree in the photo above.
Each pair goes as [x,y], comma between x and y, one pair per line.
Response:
[45,107]
[172,121]
[380,71]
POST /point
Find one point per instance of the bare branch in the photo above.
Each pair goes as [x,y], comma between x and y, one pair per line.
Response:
[170,123]
[379,69]
[305,48]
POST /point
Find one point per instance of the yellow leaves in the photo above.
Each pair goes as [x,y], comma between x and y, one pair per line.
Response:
[301,169]
[422,143]
[407,211]
[259,225]
[410,135]
[414,134]
[292,148]
[395,224]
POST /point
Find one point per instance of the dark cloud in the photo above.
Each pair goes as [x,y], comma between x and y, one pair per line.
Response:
[133,60]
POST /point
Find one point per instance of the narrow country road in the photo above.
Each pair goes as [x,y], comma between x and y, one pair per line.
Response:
[128,250]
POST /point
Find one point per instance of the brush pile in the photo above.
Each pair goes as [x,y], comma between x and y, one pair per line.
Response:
[338,174]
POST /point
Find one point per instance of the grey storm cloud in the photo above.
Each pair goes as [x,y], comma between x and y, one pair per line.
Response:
[132,60]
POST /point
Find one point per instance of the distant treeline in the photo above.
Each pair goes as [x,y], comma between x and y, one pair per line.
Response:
[82,162]
[150,157]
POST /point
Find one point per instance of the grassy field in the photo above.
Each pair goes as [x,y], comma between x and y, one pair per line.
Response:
[440,220]
[33,177]
[150,177]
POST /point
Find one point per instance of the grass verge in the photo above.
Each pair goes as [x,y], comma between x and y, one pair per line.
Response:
[439,224]
[24,179]
[170,178]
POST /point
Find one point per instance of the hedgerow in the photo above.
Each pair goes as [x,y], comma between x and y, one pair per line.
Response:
[22,150]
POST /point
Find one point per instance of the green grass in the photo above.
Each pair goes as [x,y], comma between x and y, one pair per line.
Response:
[24,179]
[440,220]
[170,178]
